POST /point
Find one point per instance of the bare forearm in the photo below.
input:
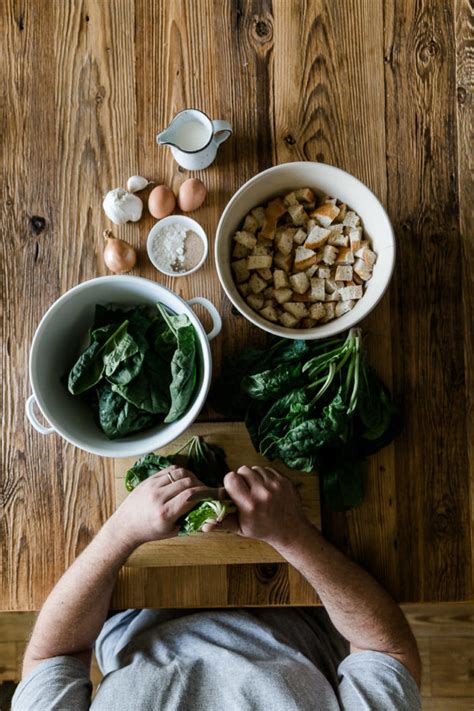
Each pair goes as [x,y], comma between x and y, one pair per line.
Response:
[73,614]
[358,606]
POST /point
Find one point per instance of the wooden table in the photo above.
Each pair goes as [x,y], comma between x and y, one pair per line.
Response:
[381,89]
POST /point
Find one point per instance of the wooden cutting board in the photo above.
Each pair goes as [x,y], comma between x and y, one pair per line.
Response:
[218,548]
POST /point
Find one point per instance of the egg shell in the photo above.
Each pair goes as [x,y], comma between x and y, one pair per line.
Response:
[161,201]
[192,194]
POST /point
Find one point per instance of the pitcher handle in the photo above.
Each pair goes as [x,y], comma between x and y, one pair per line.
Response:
[224,129]
[30,413]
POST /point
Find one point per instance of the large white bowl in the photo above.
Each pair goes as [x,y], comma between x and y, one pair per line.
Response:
[58,341]
[324,180]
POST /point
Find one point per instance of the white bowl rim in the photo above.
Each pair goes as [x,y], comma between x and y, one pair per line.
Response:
[317,332]
[136,449]
[192,225]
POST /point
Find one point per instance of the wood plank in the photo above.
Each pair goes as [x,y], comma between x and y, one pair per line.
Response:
[464,34]
[452,667]
[8,662]
[432,485]
[217,548]
[16,626]
[441,619]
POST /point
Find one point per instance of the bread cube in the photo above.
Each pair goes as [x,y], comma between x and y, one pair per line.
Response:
[266,274]
[345,256]
[246,238]
[342,307]
[333,296]
[330,312]
[343,273]
[355,236]
[368,256]
[338,239]
[329,254]
[273,211]
[311,271]
[283,261]
[250,224]
[300,236]
[284,240]
[304,258]
[282,295]
[298,214]
[288,320]
[257,284]
[351,219]
[255,301]
[259,262]
[270,313]
[305,195]
[239,251]
[349,293]
[244,289]
[296,309]
[258,213]
[268,292]
[362,270]
[280,279]
[290,199]
[317,311]
[342,213]
[241,273]
[325,214]
[308,322]
[324,272]
[317,291]
[260,250]
[317,237]
[299,283]
[303,298]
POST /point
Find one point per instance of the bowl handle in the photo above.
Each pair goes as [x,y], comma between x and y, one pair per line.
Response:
[216,319]
[30,413]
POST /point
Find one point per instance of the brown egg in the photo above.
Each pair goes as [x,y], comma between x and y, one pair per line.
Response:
[161,201]
[192,194]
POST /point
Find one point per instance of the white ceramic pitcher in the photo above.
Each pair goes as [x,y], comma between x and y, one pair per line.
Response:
[194,138]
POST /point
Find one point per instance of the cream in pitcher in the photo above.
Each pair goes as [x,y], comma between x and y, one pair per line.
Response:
[194,138]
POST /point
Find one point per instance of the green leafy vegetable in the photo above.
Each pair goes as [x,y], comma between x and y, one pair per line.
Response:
[209,511]
[207,461]
[314,405]
[139,369]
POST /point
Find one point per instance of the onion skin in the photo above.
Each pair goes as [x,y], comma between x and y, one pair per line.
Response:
[119,256]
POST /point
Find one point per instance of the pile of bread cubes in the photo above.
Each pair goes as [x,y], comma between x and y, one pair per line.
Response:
[300,261]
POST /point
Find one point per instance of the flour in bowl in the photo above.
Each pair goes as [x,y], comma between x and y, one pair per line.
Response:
[176,249]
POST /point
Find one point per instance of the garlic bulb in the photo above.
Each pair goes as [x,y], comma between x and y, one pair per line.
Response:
[121,206]
[136,183]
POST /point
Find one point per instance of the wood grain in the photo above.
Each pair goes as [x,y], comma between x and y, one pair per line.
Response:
[382,89]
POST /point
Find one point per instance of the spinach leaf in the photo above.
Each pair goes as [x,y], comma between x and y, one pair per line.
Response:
[145,467]
[207,461]
[118,417]
[183,371]
[89,368]
[208,511]
[149,390]
[271,384]
[124,348]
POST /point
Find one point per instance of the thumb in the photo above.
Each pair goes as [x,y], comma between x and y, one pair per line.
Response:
[230,523]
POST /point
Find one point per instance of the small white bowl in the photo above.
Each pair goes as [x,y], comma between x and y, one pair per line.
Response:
[189,224]
[324,180]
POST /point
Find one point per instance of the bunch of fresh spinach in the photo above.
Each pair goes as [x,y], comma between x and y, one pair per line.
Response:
[315,406]
[139,369]
[204,459]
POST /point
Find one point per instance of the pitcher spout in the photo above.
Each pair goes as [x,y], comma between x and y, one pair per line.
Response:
[164,138]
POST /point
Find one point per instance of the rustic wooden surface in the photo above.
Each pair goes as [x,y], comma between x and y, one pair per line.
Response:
[444,632]
[216,548]
[379,88]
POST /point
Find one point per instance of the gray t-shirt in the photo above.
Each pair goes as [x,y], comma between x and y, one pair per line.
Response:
[282,660]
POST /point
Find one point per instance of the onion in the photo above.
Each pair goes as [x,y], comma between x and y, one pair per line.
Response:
[119,256]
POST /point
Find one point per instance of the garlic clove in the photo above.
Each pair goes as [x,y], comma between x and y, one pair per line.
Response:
[136,183]
[121,206]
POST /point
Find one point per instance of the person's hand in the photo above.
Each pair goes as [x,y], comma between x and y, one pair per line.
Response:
[268,506]
[151,510]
